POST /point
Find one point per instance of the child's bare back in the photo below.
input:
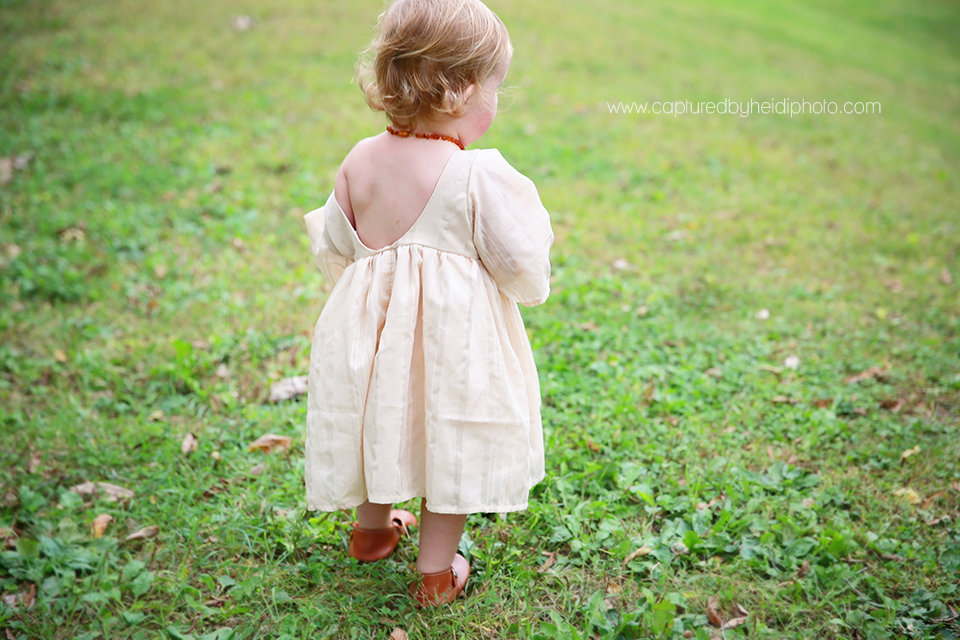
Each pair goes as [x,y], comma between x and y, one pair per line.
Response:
[385,182]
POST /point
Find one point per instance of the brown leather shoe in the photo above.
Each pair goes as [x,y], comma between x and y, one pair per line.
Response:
[370,545]
[434,589]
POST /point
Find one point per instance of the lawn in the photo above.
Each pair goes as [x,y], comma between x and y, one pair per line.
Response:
[749,364]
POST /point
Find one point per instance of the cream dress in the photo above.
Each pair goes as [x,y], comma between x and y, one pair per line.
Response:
[422,379]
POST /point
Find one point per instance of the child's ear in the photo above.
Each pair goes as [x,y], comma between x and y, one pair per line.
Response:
[468,92]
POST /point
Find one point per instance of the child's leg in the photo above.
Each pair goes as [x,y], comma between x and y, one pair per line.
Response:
[439,538]
[371,515]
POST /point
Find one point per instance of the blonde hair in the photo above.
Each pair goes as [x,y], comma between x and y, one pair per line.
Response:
[426,54]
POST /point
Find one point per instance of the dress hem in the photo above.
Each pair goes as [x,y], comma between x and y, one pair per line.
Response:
[444,509]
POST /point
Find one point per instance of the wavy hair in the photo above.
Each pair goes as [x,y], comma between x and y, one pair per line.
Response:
[426,53]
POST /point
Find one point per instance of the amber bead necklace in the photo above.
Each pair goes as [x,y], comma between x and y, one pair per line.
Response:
[426,136]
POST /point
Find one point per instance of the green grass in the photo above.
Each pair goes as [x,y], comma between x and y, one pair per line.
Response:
[154,239]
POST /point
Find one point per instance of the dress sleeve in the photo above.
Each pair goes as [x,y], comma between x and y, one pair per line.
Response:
[331,257]
[511,228]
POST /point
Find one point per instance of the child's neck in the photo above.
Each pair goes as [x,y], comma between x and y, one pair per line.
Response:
[458,128]
[448,128]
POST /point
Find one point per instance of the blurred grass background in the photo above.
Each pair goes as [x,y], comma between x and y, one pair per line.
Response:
[160,160]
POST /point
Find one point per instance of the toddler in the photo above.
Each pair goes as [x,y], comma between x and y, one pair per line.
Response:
[422,379]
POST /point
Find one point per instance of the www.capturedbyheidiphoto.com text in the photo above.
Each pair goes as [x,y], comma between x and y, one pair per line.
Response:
[746,108]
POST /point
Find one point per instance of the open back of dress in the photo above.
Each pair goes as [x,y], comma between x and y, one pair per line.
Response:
[422,379]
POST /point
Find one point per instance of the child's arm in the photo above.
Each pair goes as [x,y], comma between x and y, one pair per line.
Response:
[332,257]
[512,230]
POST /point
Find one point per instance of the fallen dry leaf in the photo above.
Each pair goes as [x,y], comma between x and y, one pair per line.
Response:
[20,162]
[270,441]
[804,569]
[768,368]
[551,558]
[784,400]
[894,404]
[643,310]
[143,534]
[953,616]
[945,277]
[258,469]
[73,234]
[713,614]
[223,484]
[107,491]
[873,372]
[13,251]
[909,452]
[189,444]
[716,617]
[6,170]
[894,285]
[639,553]
[823,403]
[223,371]
[24,599]
[588,326]
[10,500]
[929,500]
[34,463]
[242,23]
[714,372]
[733,622]
[216,602]
[100,524]
[398,634]
[59,355]
[649,392]
[614,588]
[889,557]
[912,496]
[288,388]
[156,415]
